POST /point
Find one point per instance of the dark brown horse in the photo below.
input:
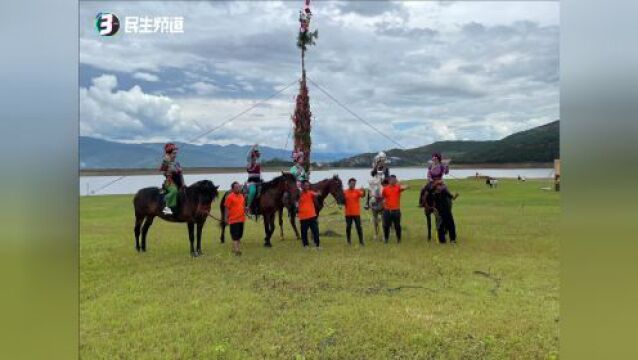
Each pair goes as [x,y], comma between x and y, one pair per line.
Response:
[331,186]
[426,201]
[193,208]
[274,195]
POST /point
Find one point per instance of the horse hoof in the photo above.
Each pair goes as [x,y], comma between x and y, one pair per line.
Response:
[137,249]
[193,254]
[268,245]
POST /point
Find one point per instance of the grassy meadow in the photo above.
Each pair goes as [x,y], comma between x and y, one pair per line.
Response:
[494,295]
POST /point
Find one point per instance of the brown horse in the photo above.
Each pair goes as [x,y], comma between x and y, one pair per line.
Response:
[331,186]
[193,207]
[426,201]
[274,194]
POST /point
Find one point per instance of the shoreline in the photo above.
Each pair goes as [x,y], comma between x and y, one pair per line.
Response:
[226,170]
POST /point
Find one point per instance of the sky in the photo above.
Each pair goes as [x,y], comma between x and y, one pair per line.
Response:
[418,71]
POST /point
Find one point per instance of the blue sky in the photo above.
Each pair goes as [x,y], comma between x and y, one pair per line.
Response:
[419,71]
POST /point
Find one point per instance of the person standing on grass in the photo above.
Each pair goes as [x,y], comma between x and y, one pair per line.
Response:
[392,207]
[443,211]
[353,209]
[235,215]
[308,214]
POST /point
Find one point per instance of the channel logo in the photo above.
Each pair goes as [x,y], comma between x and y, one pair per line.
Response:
[107,24]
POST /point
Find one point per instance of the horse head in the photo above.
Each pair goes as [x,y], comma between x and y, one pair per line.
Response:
[205,193]
[335,188]
[287,184]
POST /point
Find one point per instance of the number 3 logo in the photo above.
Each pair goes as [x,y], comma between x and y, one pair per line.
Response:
[107,24]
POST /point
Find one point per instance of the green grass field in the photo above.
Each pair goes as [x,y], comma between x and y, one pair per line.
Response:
[494,295]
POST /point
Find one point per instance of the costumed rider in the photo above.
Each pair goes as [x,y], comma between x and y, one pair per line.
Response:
[174,178]
[380,173]
[298,171]
[253,168]
[436,170]
[297,168]
[437,167]
[380,166]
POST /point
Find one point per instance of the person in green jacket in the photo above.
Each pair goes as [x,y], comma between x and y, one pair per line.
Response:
[174,178]
[298,169]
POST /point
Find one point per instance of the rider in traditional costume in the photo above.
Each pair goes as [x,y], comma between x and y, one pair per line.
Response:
[174,178]
[437,168]
[298,171]
[380,172]
[380,166]
[297,168]
[253,167]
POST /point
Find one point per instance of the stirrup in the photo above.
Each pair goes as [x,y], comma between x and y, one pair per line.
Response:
[167,211]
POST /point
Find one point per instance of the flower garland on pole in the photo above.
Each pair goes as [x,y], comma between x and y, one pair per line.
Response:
[302,115]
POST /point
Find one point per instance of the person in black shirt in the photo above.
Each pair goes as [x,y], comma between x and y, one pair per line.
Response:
[443,211]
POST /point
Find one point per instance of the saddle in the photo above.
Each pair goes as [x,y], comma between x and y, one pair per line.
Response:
[254,206]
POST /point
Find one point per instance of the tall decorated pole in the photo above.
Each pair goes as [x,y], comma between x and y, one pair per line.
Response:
[301,116]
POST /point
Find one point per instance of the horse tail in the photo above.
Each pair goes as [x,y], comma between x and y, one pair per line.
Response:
[222,211]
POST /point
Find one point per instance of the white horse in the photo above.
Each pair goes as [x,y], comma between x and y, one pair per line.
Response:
[374,201]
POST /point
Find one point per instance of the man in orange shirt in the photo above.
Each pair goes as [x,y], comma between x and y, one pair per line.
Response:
[235,215]
[308,214]
[392,207]
[353,209]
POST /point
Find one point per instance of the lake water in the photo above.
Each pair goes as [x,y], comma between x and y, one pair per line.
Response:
[93,185]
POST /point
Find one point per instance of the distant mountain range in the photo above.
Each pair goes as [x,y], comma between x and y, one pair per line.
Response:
[537,145]
[104,154]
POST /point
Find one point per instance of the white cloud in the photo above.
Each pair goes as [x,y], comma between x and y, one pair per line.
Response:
[463,70]
[203,88]
[146,76]
[108,112]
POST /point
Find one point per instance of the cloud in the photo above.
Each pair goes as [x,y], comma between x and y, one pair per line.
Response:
[203,88]
[145,76]
[418,71]
[368,8]
[110,113]
[389,29]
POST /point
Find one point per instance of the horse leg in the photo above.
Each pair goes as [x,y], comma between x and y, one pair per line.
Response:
[147,224]
[375,223]
[200,226]
[191,237]
[272,227]
[138,225]
[222,224]
[428,217]
[267,230]
[293,223]
[281,224]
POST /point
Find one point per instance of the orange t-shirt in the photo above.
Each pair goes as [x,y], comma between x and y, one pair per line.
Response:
[353,208]
[392,196]
[307,205]
[235,206]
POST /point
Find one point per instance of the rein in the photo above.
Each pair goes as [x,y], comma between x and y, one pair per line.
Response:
[211,215]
